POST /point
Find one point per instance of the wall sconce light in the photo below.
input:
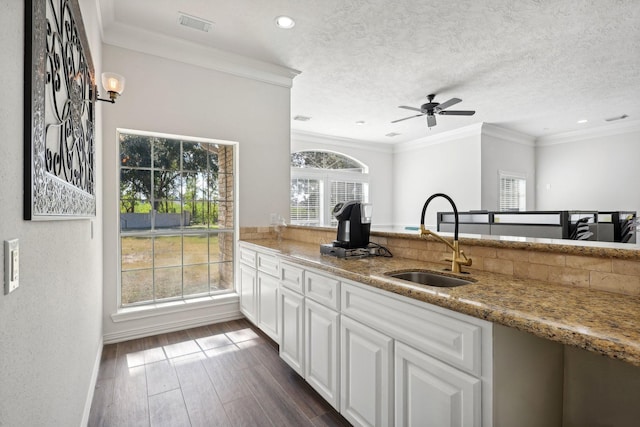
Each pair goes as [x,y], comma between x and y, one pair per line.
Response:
[114,85]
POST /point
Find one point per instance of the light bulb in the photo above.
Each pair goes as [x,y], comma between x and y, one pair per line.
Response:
[113,82]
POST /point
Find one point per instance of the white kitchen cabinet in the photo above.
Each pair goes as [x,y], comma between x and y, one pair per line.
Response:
[268,263]
[366,368]
[292,277]
[247,256]
[268,305]
[322,288]
[431,393]
[451,337]
[321,350]
[247,291]
[292,329]
[258,289]
[384,359]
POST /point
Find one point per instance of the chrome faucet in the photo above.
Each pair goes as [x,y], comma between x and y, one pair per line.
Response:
[458,258]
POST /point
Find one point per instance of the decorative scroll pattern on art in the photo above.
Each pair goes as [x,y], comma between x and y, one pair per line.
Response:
[59,134]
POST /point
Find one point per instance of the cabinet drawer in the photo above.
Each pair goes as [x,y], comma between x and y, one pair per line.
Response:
[451,337]
[268,263]
[322,289]
[292,277]
[247,256]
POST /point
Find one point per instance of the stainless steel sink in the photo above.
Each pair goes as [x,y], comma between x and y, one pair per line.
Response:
[430,278]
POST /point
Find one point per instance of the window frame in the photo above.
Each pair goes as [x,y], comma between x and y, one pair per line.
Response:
[181,231]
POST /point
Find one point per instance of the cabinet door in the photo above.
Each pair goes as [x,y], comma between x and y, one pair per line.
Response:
[268,305]
[292,329]
[431,393]
[366,368]
[247,292]
[321,350]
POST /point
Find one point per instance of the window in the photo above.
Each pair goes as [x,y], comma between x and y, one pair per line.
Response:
[305,201]
[513,191]
[322,179]
[176,218]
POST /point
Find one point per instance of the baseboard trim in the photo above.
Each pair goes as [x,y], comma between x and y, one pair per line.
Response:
[92,385]
[171,326]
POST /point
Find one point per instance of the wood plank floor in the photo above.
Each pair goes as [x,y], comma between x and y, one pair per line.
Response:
[226,374]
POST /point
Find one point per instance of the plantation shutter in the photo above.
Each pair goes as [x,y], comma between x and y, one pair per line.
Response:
[512,193]
[305,201]
[344,191]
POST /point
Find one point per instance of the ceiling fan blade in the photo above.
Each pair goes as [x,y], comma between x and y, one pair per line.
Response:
[431,120]
[447,104]
[410,108]
[407,118]
[457,113]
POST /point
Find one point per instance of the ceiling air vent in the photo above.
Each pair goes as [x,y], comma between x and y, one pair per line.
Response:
[194,22]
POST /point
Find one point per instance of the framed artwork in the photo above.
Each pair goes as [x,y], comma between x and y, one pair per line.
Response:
[60,92]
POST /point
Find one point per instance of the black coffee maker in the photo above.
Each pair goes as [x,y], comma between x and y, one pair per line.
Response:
[354,224]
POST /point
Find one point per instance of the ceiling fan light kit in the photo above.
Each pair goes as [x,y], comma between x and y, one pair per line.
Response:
[431,108]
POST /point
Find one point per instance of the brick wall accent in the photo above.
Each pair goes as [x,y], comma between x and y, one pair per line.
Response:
[225,213]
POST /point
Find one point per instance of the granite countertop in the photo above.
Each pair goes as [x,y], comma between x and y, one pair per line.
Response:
[602,322]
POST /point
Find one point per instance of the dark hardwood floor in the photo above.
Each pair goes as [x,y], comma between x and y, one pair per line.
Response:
[226,374]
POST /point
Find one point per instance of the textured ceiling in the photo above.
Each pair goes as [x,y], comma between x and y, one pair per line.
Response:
[534,66]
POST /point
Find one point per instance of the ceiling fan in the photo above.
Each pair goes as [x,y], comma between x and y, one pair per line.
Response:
[430,109]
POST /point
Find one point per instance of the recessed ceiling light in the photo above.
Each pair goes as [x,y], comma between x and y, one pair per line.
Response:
[582,121]
[361,123]
[285,22]
[392,134]
[302,118]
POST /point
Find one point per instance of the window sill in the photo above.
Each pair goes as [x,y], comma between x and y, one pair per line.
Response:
[161,309]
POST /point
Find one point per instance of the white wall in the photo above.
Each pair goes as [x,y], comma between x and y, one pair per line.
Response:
[591,169]
[164,95]
[379,159]
[597,169]
[447,163]
[506,151]
[50,327]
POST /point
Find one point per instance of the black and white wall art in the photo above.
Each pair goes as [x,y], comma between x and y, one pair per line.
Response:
[60,92]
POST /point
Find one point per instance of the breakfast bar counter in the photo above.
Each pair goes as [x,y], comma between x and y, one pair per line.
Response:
[602,322]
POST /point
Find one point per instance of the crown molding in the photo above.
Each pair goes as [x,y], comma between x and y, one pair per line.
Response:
[417,144]
[338,142]
[106,14]
[156,44]
[508,134]
[583,134]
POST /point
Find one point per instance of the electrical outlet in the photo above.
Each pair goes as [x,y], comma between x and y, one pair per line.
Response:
[11,266]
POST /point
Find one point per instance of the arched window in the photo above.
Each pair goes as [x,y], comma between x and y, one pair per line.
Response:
[320,180]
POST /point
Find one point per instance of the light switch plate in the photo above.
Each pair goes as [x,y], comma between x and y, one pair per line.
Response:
[11,266]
